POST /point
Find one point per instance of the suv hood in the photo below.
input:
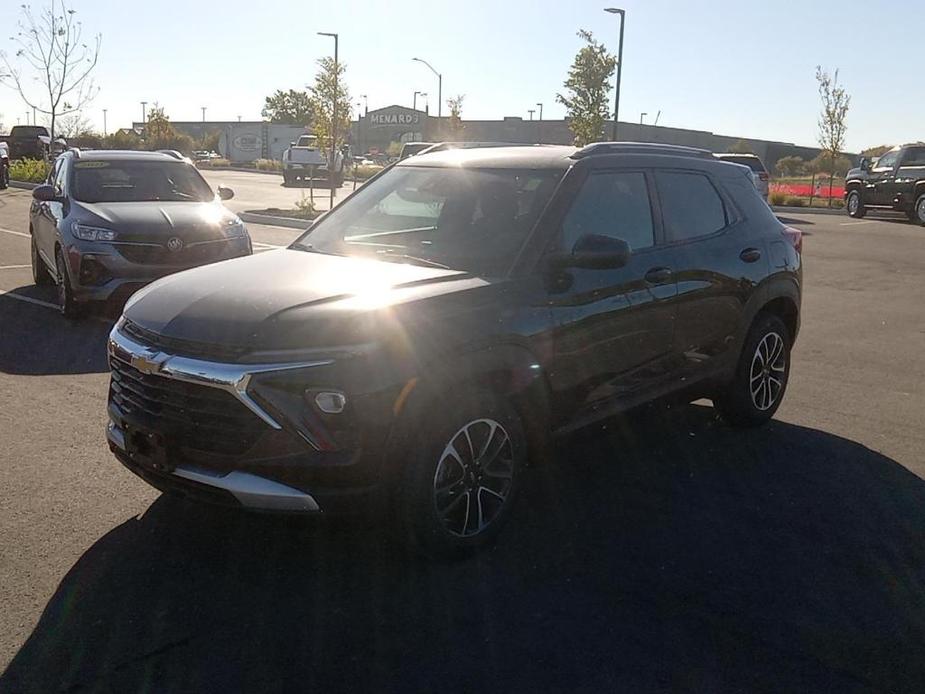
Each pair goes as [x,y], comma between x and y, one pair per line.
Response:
[140,221]
[288,299]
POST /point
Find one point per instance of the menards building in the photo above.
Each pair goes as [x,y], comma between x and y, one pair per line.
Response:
[376,130]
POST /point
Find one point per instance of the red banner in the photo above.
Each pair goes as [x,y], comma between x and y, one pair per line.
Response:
[806,189]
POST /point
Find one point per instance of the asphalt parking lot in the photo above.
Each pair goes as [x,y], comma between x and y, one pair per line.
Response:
[660,552]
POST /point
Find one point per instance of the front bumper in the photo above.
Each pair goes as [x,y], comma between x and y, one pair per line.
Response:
[100,271]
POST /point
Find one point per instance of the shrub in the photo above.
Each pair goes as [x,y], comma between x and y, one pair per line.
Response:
[777,198]
[269,165]
[794,201]
[363,172]
[305,208]
[29,170]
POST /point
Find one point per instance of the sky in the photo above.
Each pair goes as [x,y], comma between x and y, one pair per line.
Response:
[741,68]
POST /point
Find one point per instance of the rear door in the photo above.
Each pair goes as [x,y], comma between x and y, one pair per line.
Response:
[910,168]
[718,262]
[614,327]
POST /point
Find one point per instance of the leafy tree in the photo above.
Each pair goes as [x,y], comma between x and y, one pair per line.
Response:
[742,147]
[790,166]
[832,126]
[587,90]
[57,60]
[292,108]
[330,90]
[123,139]
[824,164]
[454,125]
[875,152]
[160,133]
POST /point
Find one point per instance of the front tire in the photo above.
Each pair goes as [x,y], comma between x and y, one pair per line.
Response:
[855,205]
[40,275]
[458,487]
[760,381]
[4,177]
[67,304]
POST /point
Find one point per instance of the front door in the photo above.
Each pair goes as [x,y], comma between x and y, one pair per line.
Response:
[614,327]
[880,180]
[48,214]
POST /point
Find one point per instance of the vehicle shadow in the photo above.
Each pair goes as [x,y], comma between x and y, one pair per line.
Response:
[662,552]
[36,340]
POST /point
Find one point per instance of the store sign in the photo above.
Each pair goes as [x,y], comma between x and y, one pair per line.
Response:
[247,143]
[380,120]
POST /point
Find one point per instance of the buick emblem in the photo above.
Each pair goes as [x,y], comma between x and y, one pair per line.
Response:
[174,244]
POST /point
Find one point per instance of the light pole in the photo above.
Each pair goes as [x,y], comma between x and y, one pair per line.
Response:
[365,104]
[541,110]
[616,103]
[333,162]
[641,116]
[539,133]
[414,106]
[203,126]
[439,86]
[104,123]
[144,112]
[531,111]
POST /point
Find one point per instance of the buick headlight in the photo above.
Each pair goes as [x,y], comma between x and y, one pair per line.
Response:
[88,233]
[234,228]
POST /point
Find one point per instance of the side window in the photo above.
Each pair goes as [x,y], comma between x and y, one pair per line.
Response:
[60,173]
[53,172]
[691,207]
[887,161]
[611,204]
[915,156]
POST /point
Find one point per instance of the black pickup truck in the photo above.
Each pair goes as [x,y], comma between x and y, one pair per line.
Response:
[895,181]
[27,141]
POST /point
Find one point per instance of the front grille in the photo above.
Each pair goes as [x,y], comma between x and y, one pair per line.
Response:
[161,255]
[184,348]
[190,416]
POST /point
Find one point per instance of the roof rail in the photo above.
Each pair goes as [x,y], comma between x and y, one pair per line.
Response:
[172,153]
[597,148]
[75,150]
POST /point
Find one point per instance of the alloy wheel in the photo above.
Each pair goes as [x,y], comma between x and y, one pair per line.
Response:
[920,209]
[474,477]
[854,202]
[766,375]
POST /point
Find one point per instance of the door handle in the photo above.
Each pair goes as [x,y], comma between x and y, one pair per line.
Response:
[750,255]
[658,275]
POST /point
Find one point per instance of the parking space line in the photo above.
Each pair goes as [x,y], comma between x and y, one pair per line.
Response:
[15,233]
[13,267]
[851,224]
[28,299]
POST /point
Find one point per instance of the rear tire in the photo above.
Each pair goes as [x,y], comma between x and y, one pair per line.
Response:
[460,482]
[855,205]
[288,179]
[40,274]
[67,304]
[918,212]
[4,177]
[760,381]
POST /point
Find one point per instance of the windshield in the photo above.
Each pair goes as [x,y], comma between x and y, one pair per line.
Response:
[139,181]
[474,220]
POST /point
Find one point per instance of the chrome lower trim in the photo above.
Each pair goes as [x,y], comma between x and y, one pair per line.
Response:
[253,491]
[233,378]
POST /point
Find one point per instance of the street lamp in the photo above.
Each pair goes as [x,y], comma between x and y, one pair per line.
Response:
[531,111]
[144,113]
[203,126]
[104,122]
[641,116]
[541,110]
[365,104]
[616,104]
[333,162]
[414,106]
[439,86]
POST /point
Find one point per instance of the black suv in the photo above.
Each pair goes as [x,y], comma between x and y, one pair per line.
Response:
[895,181]
[422,341]
[106,223]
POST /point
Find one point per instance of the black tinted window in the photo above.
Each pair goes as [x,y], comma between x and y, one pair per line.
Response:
[138,181]
[611,204]
[887,161]
[915,157]
[691,206]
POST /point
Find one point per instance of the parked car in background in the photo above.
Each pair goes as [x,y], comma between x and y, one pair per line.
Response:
[27,142]
[424,338]
[304,160]
[108,222]
[895,181]
[760,175]
[4,165]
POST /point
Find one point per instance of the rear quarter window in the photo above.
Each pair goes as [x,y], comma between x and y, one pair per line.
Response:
[691,205]
[751,162]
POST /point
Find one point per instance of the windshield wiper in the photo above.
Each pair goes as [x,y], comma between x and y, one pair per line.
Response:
[391,232]
[413,259]
[309,248]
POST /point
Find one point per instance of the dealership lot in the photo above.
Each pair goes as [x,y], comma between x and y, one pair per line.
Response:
[663,551]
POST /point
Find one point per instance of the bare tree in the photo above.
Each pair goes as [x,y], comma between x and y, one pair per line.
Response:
[73,125]
[56,60]
[832,127]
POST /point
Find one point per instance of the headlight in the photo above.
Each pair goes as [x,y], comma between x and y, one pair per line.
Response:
[88,233]
[234,228]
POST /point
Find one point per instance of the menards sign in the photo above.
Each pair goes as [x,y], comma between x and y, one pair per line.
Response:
[382,119]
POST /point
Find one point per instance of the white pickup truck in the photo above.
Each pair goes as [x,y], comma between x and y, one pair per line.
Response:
[303,160]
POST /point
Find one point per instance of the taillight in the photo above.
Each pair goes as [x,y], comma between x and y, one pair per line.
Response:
[795,237]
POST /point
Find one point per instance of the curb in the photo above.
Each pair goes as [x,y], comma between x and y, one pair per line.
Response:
[809,210]
[271,220]
[24,185]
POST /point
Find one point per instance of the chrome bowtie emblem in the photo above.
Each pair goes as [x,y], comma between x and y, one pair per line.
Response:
[174,244]
[149,363]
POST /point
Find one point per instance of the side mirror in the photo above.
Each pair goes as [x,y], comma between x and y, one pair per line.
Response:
[45,193]
[292,144]
[225,193]
[595,252]
[865,164]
